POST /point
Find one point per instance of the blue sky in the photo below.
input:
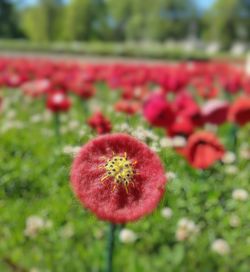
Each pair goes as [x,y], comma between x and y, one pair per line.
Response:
[204,4]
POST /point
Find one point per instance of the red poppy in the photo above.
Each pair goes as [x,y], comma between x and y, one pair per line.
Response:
[158,112]
[99,123]
[239,112]
[203,149]
[182,126]
[185,105]
[127,106]
[82,87]
[215,111]
[58,101]
[118,178]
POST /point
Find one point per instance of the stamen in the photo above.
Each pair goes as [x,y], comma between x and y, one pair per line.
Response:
[120,169]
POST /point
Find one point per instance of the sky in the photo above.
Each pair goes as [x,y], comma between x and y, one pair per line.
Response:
[204,4]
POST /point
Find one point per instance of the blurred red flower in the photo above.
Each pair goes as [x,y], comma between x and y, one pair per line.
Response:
[127,106]
[185,105]
[239,111]
[58,101]
[182,126]
[215,111]
[36,88]
[118,178]
[99,123]
[203,149]
[158,112]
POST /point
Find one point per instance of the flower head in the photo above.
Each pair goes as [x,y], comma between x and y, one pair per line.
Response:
[203,149]
[58,101]
[99,123]
[221,247]
[158,112]
[118,178]
[127,236]
[239,112]
[215,111]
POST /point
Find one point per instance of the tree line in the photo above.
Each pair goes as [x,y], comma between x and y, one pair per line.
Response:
[114,20]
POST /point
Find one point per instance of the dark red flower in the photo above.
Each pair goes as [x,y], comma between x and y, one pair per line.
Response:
[185,105]
[99,123]
[118,178]
[215,111]
[58,101]
[158,112]
[203,149]
[239,112]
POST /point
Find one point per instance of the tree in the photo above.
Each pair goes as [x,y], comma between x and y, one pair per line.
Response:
[8,20]
[84,19]
[41,22]
[160,19]
[227,21]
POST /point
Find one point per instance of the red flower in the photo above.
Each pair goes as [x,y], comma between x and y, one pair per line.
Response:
[82,87]
[182,126]
[239,112]
[185,105]
[158,112]
[127,106]
[118,178]
[100,123]
[215,111]
[58,101]
[203,149]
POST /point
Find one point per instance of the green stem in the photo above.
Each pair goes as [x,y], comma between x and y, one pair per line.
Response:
[110,247]
[233,137]
[57,127]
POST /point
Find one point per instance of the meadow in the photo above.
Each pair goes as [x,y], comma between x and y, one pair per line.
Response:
[201,224]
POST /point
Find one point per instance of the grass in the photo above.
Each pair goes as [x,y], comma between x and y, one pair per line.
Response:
[35,181]
[115,49]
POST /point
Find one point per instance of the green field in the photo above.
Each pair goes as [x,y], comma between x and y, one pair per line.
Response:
[34,179]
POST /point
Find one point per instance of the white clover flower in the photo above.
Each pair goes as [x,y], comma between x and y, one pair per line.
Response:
[240,194]
[166,212]
[82,132]
[47,116]
[234,221]
[186,229]
[170,175]
[11,114]
[127,236]
[221,247]
[67,231]
[71,150]
[34,224]
[73,125]
[179,141]
[166,142]
[245,152]
[181,234]
[34,269]
[231,169]
[36,118]
[229,157]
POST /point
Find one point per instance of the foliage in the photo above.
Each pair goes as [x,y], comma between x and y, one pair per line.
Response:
[228,21]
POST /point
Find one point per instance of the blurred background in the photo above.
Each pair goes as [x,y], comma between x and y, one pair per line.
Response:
[163,27]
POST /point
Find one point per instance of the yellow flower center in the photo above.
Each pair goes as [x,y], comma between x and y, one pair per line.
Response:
[120,169]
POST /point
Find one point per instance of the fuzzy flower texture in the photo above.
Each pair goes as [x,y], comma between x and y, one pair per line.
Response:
[118,178]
